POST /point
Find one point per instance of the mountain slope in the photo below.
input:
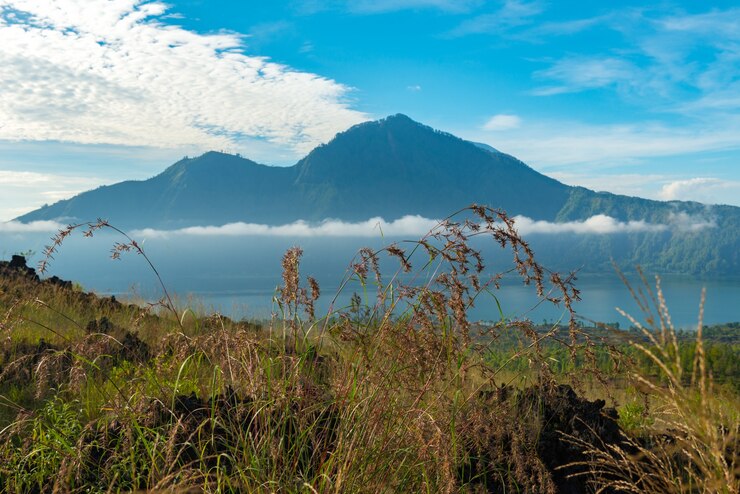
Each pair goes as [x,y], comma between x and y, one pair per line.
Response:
[212,188]
[397,166]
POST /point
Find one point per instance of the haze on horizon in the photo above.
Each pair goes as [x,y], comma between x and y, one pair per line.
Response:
[632,98]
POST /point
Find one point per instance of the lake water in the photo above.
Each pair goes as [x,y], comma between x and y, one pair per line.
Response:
[237,276]
[600,298]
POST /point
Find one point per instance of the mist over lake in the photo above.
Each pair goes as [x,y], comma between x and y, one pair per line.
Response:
[238,276]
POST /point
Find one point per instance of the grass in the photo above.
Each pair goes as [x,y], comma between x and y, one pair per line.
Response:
[399,394]
[693,446]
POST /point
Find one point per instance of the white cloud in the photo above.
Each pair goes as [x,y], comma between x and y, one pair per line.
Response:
[597,224]
[502,122]
[417,226]
[374,227]
[601,224]
[414,88]
[33,227]
[703,189]
[678,189]
[111,72]
[657,186]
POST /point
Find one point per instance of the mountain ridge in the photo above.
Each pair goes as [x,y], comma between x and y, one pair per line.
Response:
[395,167]
[336,179]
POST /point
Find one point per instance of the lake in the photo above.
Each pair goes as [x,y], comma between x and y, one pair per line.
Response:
[237,276]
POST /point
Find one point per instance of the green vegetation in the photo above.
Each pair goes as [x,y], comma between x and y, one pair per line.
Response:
[398,394]
[721,349]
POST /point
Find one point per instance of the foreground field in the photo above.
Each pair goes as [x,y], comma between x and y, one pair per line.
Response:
[398,394]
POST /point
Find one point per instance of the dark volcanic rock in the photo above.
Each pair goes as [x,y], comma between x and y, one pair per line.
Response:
[22,359]
[563,415]
[17,267]
[532,452]
[57,281]
[102,325]
[124,345]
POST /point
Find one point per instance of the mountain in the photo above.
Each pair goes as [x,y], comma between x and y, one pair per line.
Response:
[395,167]
[390,168]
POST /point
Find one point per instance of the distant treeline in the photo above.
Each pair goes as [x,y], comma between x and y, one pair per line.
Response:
[721,346]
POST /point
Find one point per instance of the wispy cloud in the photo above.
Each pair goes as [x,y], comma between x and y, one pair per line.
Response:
[561,28]
[722,23]
[100,71]
[551,145]
[270,30]
[512,14]
[23,191]
[415,226]
[634,184]
[685,222]
[368,7]
[33,227]
[381,6]
[669,61]
[13,178]
[502,121]
[577,74]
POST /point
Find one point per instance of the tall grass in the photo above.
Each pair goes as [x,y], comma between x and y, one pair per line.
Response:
[691,442]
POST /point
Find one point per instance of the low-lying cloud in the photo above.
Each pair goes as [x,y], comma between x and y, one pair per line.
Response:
[690,223]
[411,226]
[416,226]
[597,224]
[408,225]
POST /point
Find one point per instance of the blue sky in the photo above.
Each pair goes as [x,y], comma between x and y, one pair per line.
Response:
[632,97]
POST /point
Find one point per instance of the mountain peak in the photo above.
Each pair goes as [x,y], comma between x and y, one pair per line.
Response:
[399,118]
[397,121]
[211,160]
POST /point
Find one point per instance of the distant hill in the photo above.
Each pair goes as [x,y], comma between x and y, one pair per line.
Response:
[395,167]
